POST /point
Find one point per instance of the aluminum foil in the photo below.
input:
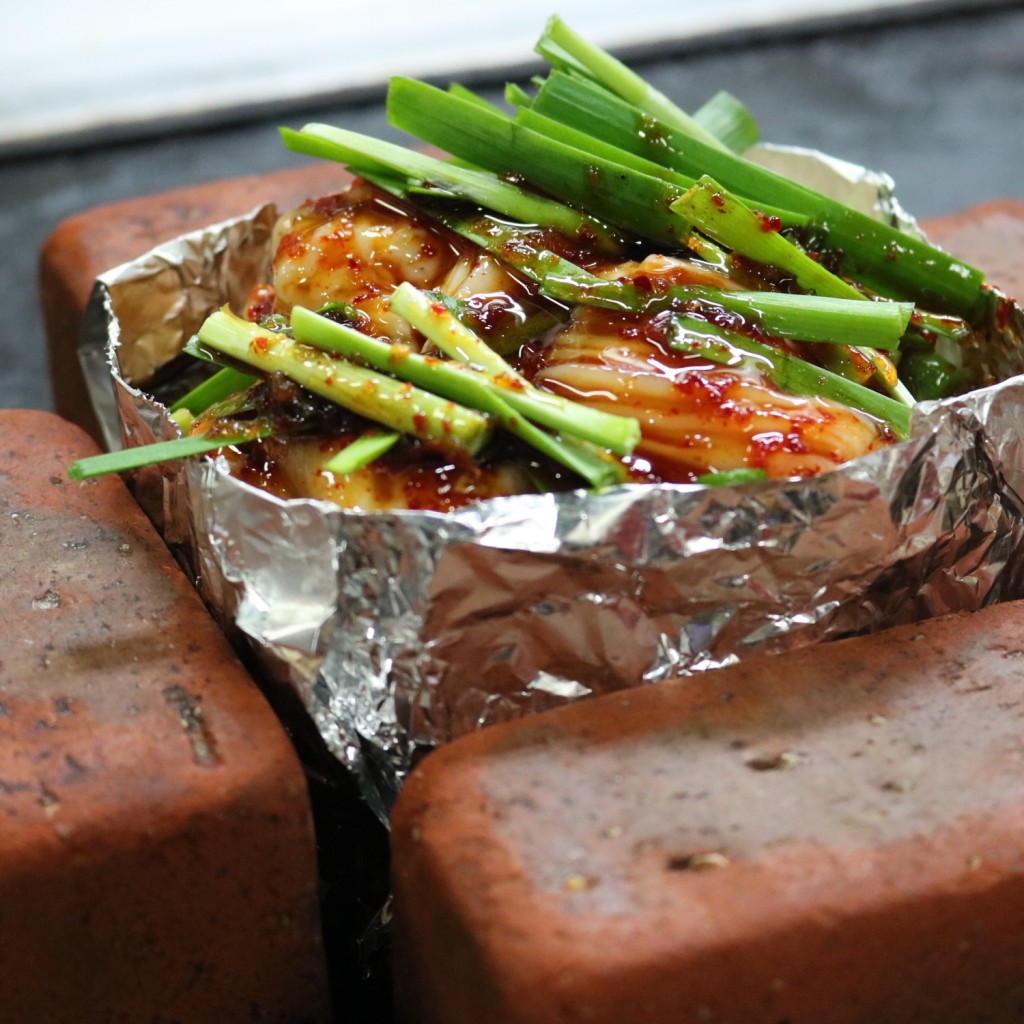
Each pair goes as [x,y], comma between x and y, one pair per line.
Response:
[403,630]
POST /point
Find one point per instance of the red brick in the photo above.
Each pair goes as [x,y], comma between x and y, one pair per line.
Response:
[989,235]
[156,851]
[831,836]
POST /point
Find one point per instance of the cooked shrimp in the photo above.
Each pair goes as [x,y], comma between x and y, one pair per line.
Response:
[697,416]
[656,273]
[356,247]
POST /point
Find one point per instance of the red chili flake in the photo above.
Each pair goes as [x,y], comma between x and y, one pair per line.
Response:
[1003,310]
[261,303]
[328,206]
[769,222]
[419,421]
[259,344]
[438,308]
[718,200]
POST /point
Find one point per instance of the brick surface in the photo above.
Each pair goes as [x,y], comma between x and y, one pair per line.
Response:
[990,236]
[156,852]
[831,836]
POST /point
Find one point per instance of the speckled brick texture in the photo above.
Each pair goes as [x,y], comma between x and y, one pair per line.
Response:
[832,836]
[156,851]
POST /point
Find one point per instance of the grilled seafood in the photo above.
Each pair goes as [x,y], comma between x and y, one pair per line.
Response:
[355,247]
[696,415]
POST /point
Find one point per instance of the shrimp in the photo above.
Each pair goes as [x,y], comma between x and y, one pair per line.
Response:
[696,416]
[656,273]
[355,247]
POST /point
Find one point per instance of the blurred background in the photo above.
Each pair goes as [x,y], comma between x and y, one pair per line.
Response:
[104,69]
[111,100]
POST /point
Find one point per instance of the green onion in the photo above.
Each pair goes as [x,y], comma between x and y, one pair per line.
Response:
[360,453]
[800,317]
[562,47]
[507,339]
[515,96]
[890,261]
[458,381]
[728,121]
[600,152]
[726,219]
[732,477]
[928,376]
[730,222]
[612,192]
[392,403]
[150,454]
[223,383]
[619,434]
[603,153]
[456,89]
[364,154]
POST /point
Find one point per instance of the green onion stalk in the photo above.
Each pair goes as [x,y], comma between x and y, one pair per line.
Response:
[595,155]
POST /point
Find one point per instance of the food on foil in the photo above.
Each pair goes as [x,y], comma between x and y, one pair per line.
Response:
[594,290]
[594,402]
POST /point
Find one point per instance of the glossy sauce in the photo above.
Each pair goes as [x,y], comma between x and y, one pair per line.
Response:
[355,248]
[697,415]
[410,476]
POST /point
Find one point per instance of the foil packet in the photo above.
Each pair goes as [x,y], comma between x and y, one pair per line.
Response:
[402,630]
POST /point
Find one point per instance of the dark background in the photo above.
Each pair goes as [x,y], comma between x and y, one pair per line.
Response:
[932,95]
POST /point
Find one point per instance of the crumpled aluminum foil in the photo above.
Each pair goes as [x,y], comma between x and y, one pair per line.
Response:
[403,630]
